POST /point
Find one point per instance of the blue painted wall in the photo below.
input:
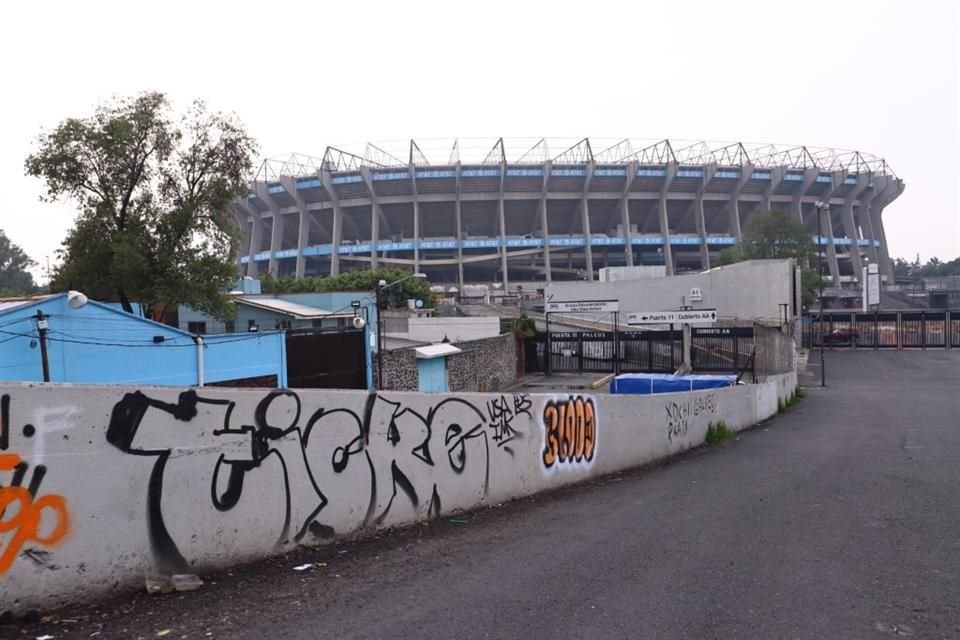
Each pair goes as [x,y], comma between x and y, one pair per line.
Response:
[433,375]
[102,345]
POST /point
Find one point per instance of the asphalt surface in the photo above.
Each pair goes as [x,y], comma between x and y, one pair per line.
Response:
[838,519]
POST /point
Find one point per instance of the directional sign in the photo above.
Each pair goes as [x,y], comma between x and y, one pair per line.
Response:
[690,316]
[583,306]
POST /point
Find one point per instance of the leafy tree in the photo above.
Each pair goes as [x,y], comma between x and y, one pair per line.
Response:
[153,192]
[14,277]
[413,288]
[777,235]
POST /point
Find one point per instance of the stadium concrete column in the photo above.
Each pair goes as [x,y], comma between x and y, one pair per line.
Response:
[671,172]
[776,177]
[796,205]
[846,216]
[374,217]
[625,211]
[889,189]
[863,215]
[745,172]
[585,220]
[503,228]
[416,220]
[700,217]
[276,232]
[256,239]
[456,213]
[303,229]
[832,262]
[544,228]
[336,234]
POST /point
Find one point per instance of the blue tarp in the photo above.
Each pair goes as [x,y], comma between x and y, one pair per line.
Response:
[647,383]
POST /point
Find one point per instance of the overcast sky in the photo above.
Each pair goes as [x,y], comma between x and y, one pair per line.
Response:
[878,76]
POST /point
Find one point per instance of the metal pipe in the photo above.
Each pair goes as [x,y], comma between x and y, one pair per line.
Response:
[199,341]
[42,331]
[820,206]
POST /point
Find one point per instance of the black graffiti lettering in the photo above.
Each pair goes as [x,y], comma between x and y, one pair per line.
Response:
[276,445]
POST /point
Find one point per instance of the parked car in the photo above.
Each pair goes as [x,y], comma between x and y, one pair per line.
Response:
[841,337]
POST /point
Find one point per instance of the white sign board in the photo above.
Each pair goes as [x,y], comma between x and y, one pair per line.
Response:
[583,306]
[871,287]
[690,316]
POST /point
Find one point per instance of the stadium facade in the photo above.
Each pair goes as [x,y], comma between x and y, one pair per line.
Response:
[514,212]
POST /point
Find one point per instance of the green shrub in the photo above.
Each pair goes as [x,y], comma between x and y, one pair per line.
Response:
[718,432]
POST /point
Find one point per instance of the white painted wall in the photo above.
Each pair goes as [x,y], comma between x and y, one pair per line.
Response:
[751,290]
[456,329]
[128,475]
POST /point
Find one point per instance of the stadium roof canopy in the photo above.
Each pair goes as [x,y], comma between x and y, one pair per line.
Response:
[473,151]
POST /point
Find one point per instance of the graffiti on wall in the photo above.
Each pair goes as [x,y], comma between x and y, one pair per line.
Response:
[569,431]
[680,412]
[27,517]
[372,461]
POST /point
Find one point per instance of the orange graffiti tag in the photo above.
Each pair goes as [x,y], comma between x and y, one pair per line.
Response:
[20,514]
[570,430]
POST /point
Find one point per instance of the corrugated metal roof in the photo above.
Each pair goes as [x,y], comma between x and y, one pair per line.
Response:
[9,304]
[293,309]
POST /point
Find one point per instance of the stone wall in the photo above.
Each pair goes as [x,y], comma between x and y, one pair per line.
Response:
[488,364]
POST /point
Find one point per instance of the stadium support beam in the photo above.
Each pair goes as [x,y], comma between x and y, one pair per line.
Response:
[256,239]
[303,229]
[832,263]
[625,211]
[585,220]
[336,232]
[544,228]
[457,215]
[671,171]
[503,223]
[863,215]
[276,231]
[776,177]
[375,215]
[889,189]
[796,204]
[700,217]
[846,216]
[745,172]
[416,213]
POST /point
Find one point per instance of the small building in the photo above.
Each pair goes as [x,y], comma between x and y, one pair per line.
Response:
[89,342]
[327,345]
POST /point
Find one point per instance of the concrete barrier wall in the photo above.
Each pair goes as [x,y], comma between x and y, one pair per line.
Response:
[102,485]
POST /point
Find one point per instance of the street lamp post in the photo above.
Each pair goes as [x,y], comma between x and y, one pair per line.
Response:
[379,288]
[821,207]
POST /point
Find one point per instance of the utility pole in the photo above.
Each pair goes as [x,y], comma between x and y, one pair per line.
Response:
[42,331]
[821,206]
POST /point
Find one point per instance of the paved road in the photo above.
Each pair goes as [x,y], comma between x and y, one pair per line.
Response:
[839,519]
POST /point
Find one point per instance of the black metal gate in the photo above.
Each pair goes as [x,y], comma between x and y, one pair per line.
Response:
[721,349]
[883,330]
[318,359]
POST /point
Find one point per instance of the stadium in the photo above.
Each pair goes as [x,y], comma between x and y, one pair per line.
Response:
[534,211]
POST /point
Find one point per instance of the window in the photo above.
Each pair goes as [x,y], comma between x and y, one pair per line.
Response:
[197,328]
[230,326]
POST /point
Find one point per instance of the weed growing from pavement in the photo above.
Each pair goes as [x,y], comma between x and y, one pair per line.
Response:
[718,432]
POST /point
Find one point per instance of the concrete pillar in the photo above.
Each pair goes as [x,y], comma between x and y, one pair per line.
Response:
[276,235]
[700,217]
[416,220]
[256,239]
[456,213]
[776,177]
[336,236]
[585,221]
[303,228]
[544,227]
[796,205]
[374,217]
[625,212]
[745,172]
[671,168]
[831,249]
[863,213]
[889,189]
[846,214]
[503,229]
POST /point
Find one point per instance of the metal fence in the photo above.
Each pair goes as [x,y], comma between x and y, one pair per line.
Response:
[883,330]
[727,350]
